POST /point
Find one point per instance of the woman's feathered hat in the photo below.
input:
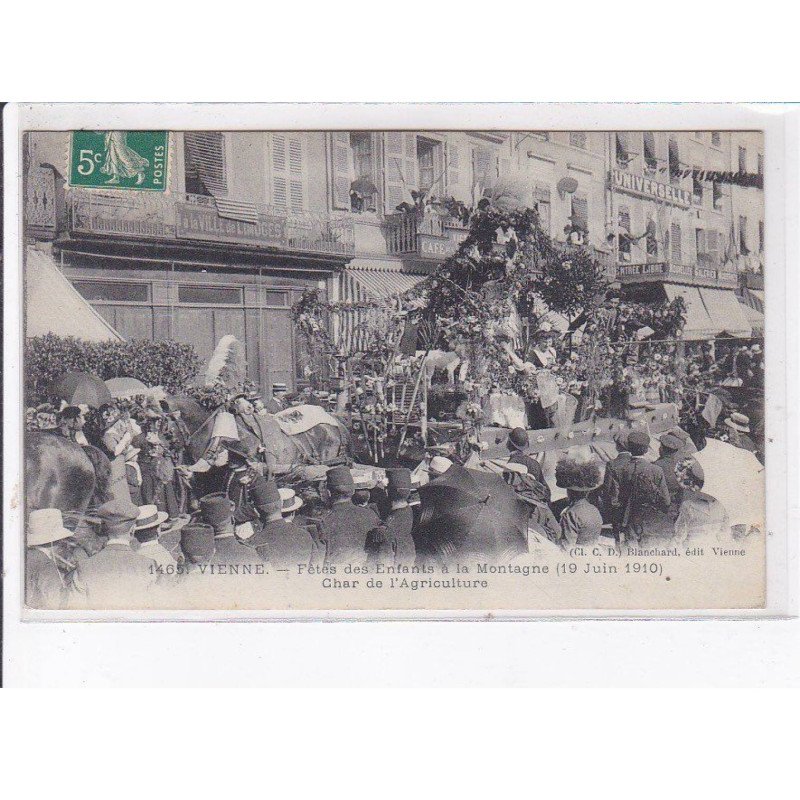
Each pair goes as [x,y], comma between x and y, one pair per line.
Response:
[578,472]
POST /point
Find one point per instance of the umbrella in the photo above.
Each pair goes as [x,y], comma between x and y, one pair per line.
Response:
[126,387]
[735,477]
[78,388]
[468,513]
[364,186]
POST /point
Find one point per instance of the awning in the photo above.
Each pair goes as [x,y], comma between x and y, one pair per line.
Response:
[53,305]
[710,312]
[754,317]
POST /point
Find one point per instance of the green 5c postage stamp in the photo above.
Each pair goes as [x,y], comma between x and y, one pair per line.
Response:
[119,159]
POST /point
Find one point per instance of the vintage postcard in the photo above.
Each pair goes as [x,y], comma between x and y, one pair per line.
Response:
[377,368]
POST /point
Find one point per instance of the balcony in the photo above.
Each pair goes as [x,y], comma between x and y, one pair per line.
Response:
[702,274]
[431,237]
[198,218]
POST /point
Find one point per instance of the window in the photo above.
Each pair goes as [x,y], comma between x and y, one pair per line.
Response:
[210,295]
[716,139]
[113,291]
[716,195]
[204,163]
[697,189]
[363,171]
[288,179]
[577,139]
[676,243]
[742,159]
[276,298]
[484,166]
[623,237]
[649,149]
[429,160]
[761,236]
[580,214]
[541,199]
[622,150]
[674,161]
[712,247]
[760,165]
[743,248]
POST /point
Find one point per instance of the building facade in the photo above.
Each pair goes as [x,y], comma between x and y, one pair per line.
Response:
[252,219]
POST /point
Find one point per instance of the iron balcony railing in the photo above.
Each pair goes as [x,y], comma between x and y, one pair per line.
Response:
[428,235]
[190,217]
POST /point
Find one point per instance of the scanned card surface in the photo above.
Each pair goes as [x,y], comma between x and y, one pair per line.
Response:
[374,369]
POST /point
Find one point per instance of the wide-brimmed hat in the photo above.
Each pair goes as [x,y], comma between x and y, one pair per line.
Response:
[579,476]
[117,517]
[518,438]
[739,422]
[149,516]
[45,526]
[290,501]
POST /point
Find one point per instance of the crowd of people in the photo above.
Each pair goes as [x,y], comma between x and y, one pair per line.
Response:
[144,535]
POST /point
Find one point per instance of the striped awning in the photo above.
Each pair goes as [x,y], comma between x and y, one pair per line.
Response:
[239,210]
[710,312]
[366,285]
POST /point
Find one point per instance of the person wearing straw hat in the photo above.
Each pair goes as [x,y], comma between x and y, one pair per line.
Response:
[117,576]
[580,521]
[738,426]
[344,528]
[46,559]
[146,533]
[438,466]
[279,541]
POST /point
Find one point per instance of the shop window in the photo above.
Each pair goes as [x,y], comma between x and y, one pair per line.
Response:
[577,139]
[674,161]
[649,149]
[429,160]
[113,291]
[742,159]
[697,189]
[276,298]
[624,235]
[716,139]
[743,248]
[210,295]
[716,194]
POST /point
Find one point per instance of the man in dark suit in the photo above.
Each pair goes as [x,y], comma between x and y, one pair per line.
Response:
[344,529]
[392,543]
[644,497]
[116,576]
[612,483]
[670,455]
[517,445]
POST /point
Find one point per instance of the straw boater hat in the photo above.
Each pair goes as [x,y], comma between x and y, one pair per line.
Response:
[739,422]
[45,526]
[289,500]
[439,465]
[149,517]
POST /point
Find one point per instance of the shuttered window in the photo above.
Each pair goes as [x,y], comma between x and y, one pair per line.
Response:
[623,239]
[399,168]
[204,163]
[541,199]
[453,166]
[341,173]
[577,139]
[649,148]
[288,173]
[697,189]
[675,243]
[712,246]
[580,210]
[743,248]
[742,159]
[484,166]
[674,161]
[715,138]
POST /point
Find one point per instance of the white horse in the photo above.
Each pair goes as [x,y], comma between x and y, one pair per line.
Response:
[450,362]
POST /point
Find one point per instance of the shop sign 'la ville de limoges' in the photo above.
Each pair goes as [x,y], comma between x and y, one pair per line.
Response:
[647,187]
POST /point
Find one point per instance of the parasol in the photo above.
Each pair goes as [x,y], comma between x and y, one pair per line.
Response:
[126,387]
[735,477]
[77,388]
[471,514]
[364,186]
